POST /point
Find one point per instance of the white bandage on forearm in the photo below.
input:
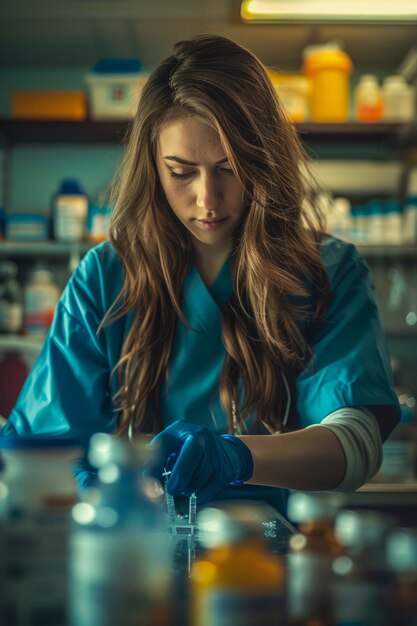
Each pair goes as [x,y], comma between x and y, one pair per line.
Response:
[359,435]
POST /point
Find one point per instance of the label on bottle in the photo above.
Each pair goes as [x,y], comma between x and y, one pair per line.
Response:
[224,607]
[70,217]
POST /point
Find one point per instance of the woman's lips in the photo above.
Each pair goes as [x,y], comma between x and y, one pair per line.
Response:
[211,224]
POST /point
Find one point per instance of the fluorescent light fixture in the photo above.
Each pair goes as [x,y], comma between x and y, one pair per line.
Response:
[351,11]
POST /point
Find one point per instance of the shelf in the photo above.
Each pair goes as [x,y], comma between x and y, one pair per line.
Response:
[388,252]
[57,131]
[24,343]
[43,248]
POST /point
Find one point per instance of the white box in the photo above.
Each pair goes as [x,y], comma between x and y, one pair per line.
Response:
[114,96]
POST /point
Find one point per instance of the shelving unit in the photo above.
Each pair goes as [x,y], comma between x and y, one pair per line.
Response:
[42,249]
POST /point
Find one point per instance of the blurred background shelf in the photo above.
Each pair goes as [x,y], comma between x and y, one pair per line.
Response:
[52,131]
[43,249]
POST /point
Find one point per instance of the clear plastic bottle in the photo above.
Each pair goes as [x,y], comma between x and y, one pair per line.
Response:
[393,229]
[37,491]
[11,299]
[401,550]
[310,559]
[41,297]
[398,98]
[120,547]
[368,99]
[363,580]
[238,580]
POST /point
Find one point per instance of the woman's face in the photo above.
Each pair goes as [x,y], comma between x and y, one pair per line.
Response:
[198,182]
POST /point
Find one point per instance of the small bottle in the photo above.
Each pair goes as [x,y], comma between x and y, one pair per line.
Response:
[41,297]
[11,299]
[363,579]
[393,227]
[310,559]
[37,491]
[120,547]
[376,222]
[342,224]
[398,98]
[238,580]
[69,212]
[368,99]
[401,550]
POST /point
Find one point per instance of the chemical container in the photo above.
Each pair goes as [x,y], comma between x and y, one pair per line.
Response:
[114,87]
[368,99]
[59,105]
[329,69]
[11,299]
[69,212]
[398,98]
[41,296]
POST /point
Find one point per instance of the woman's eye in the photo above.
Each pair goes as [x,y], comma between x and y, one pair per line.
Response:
[227,170]
[178,176]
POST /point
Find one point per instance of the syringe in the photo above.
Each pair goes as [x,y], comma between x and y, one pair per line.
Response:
[192,510]
[169,500]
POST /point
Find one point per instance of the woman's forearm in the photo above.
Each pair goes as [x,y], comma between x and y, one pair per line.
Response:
[308,459]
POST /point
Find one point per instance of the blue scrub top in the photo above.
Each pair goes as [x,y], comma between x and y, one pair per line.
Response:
[70,388]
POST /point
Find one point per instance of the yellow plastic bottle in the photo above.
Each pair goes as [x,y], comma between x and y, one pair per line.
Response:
[329,69]
[238,581]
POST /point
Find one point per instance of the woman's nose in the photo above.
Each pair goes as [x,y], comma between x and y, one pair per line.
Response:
[208,194]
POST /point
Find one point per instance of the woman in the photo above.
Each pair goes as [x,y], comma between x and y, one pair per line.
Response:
[219,316]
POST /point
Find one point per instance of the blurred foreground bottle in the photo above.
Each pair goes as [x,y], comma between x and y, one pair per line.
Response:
[120,551]
[37,491]
[312,551]
[363,579]
[401,549]
[237,581]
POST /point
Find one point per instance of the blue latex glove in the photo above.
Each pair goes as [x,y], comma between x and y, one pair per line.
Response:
[201,461]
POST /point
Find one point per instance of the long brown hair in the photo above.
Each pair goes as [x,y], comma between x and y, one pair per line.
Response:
[275,254]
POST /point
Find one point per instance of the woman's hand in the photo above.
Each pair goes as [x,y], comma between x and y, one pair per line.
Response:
[200,461]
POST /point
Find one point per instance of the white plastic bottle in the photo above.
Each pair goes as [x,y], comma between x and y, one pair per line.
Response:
[368,99]
[41,296]
[398,99]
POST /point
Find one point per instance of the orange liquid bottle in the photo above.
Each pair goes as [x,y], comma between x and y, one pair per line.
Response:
[238,581]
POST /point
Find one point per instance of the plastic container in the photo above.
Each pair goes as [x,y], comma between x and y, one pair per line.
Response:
[114,87]
[368,99]
[70,210]
[329,69]
[393,231]
[238,580]
[398,98]
[37,491]
[26,227]
[11,299]
[294,91]
[120,547]
[60,105]
[41,296]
